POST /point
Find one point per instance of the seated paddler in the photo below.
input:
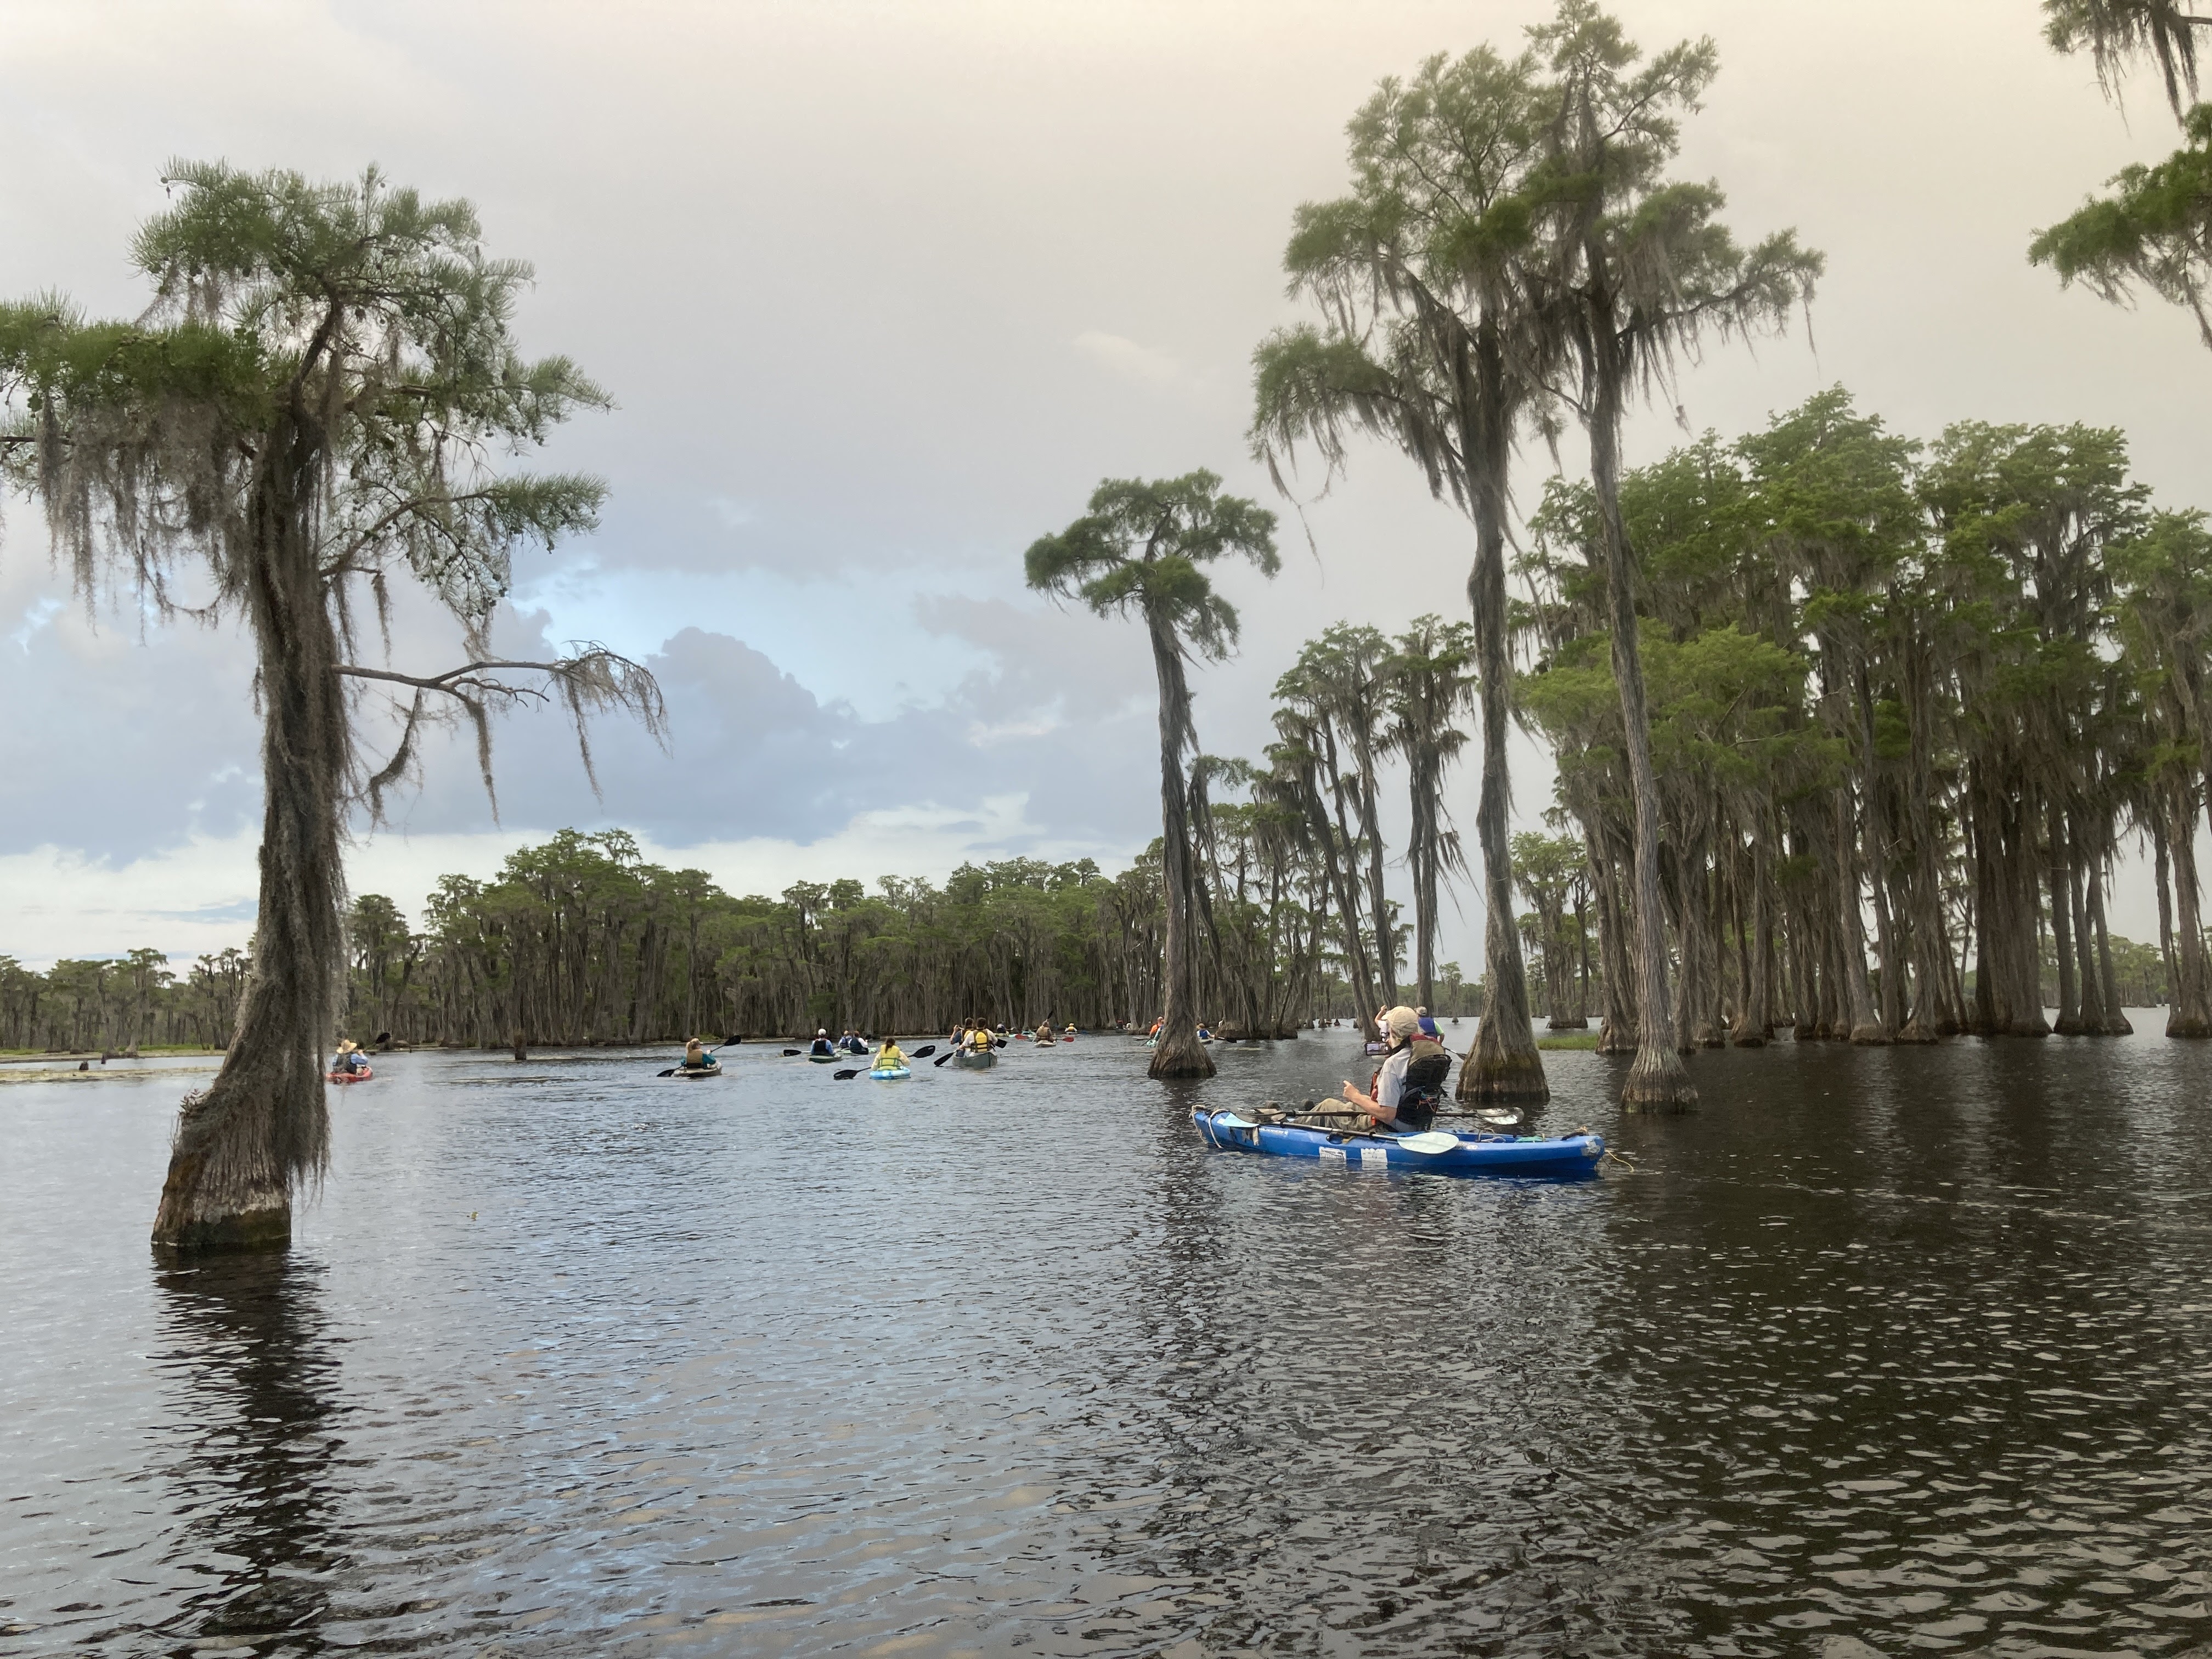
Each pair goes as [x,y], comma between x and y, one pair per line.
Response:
[888,1057]
[348,1057]
[979,1039]
[1409,1085]
[697,1059]
[822,1043]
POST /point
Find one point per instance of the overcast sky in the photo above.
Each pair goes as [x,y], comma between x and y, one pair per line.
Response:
[882,291]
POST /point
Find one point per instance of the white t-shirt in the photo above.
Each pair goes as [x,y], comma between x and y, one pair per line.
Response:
[1390,1086]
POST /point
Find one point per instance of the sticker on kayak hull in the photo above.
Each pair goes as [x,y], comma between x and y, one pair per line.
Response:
[1332,1154]
[1374,1157]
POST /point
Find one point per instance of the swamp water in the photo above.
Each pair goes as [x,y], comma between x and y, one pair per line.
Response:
[1900,1352]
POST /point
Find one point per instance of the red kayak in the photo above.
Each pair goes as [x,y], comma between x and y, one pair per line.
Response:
[361,1076]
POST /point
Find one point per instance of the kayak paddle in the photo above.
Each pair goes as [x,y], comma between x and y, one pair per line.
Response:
[845,1076]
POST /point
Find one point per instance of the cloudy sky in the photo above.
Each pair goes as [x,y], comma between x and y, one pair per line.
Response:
[882,291]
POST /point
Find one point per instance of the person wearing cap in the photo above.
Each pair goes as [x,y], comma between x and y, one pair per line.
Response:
[822,1043]
[1428,1026]
[1409,1085]
[349,1056]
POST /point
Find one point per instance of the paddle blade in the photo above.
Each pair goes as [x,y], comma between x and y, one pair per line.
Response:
[941,1058]
[733,1042]
[791,1053]
[845,1076]
[1430,1140]
[924,1051]
[671,1072]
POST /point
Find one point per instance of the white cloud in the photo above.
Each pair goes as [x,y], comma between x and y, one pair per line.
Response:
[199,896]
[41,614]
[1126,359]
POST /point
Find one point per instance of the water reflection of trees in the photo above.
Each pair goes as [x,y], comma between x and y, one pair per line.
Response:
[1355,1400]
[249,1363]
[1891,1320]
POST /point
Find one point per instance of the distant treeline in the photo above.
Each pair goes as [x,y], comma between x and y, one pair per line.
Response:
[579,941]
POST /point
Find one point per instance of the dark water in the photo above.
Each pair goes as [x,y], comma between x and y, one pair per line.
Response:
[1910,1349]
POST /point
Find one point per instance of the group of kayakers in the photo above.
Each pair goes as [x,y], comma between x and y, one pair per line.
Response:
[1403,1095]
[972,1036]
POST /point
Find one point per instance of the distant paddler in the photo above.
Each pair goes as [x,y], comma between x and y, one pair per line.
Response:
[697,1059]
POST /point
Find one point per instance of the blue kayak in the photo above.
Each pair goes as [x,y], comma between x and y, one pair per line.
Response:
[1450,1152]
[890,1073]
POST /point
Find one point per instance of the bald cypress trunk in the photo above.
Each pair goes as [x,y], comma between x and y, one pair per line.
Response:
[1865,1024]
[1506,1067]
[2190,1014]
[1931,963]
[2117,1023]
[261,1130]
[1804,963]
[1617,1025]
[1178,1052]
[1757,1021]
[2165,898]
[1657,1080]
[1874,821]
[2062,925]
[2096,1021]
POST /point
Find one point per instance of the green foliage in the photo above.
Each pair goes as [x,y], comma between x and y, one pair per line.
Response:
[2154,229]
[2118,32]
[1140,547]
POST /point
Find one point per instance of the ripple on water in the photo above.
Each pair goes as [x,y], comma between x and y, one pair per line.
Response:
[1900,1349]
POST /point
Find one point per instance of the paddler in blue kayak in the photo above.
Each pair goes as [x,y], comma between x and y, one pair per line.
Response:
[888,1057]
[1410,1084]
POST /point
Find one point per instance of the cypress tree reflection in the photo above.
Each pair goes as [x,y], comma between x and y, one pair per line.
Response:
[250,1362]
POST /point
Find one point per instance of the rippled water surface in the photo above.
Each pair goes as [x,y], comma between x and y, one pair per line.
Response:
[1909,1349]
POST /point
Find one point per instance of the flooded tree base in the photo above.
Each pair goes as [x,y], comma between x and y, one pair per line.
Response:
[187,1222]
[1657,1083]
[1181,1060]
[1508,1079]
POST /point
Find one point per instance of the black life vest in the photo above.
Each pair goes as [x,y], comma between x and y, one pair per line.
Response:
[1425,1073]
